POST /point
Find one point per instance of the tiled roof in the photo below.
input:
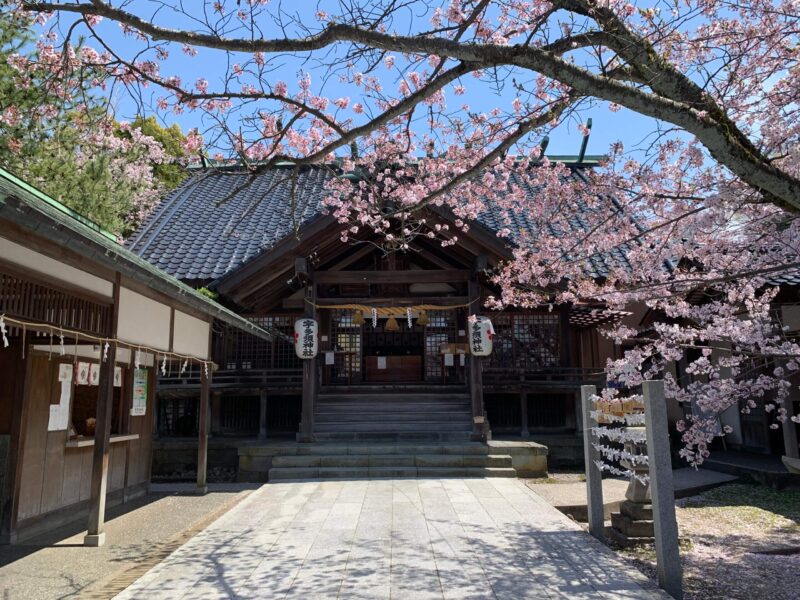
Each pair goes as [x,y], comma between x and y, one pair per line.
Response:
[192,238]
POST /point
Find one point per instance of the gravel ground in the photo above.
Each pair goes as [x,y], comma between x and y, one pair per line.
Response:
[59,566]
[739,542]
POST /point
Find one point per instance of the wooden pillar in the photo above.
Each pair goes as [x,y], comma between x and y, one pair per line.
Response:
[523,402]
[565,352]
[790,444]
[95,535]
[202,430]
[16,449]
[475,370]
[306,433]
[262,421]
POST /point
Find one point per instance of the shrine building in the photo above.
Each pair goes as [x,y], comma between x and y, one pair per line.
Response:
[393,363]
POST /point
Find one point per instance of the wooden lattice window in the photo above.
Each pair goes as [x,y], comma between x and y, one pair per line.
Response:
[283,355]
[33,301]
[237,350]
[345,341]
[529,341]
[441,329]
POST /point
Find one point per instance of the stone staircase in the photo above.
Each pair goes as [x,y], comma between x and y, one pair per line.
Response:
[383,414]
[367,431]
[358,460]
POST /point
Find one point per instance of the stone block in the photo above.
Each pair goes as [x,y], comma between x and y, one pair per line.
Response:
[636,511]
[630,527]
[529,459]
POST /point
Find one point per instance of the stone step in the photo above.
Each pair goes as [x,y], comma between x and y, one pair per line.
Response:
[395,389]
[393,426]
[392,436]
[470,448]
[392,417]
[361,399]
[304,473]
[393,460]
[401,406]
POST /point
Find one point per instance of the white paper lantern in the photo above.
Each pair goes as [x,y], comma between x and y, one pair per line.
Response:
[481,333]
[306,340]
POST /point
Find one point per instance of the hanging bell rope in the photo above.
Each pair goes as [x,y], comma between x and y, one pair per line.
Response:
[392,325]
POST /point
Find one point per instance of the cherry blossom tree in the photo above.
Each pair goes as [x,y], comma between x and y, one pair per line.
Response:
[62,138]
[701,225]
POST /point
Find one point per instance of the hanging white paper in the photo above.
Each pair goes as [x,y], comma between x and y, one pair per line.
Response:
[94,374]
[448,360]
[381,362]
[83,374]
[462,359]
[329,359]
[59,413]
[65,372]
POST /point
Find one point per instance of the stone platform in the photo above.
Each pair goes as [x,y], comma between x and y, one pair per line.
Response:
[353,460]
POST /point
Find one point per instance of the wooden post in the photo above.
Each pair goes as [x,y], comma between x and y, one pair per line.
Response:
[202,430]
[475,369]
[306,433]
[95,535]
[790,445]
[16,448]
[262,421]
[594,477]
[523,405]
[661,488]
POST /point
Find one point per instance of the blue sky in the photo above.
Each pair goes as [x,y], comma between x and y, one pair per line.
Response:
[608,127]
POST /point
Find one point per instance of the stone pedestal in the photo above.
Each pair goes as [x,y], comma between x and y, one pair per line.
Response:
[633,524]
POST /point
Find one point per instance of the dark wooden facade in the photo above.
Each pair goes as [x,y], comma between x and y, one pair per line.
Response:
[71,296]
[528,385]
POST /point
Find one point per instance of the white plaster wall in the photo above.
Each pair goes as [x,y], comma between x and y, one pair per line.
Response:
[191,335]
[35,261]
[143,320]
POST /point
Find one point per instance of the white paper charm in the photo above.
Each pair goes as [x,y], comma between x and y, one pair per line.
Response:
[65,372]
[82,377]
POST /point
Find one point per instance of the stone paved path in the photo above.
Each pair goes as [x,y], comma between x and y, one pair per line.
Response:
[398,539]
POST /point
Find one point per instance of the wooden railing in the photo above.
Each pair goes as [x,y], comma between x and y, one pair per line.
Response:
[550,376]
[223,378]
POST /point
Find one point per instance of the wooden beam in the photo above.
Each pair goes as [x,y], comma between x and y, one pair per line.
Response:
[415,276]
[352,257]
[398,300]
[248,272]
